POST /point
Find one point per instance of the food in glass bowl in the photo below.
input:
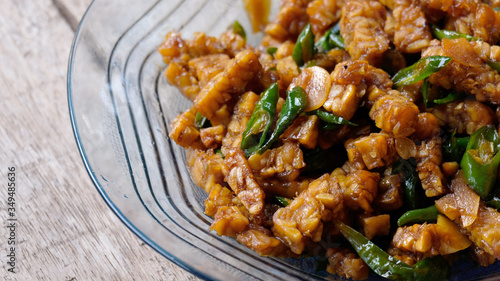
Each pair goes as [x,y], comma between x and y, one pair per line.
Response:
[369,123]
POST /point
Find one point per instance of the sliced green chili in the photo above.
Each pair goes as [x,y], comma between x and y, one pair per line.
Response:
[481,159]
[451,97]
[409,181]
[272,50]
[429,214]
[201,121]
[294,105]
[331,118]
[385,265]
[494,202]
[219,151]
[431,101]
[283,200]
[495,65]
[454,148]
[329,126]
[422,69]
[331,40]
[304,47]
[449,34]
[261,121]
[238,29]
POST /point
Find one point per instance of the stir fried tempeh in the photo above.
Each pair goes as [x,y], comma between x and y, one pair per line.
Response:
[350,115]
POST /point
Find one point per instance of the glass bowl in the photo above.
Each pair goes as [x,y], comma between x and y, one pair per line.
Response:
[121,106]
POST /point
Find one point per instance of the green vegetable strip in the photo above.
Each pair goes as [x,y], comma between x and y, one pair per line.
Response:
[261,121]
[330,117]
[451,97]
[294,105]
[426,92]
[238,29]
[430,101]
[494,65]
[428,214]
[448,34]
[200,121]
[481,176]
[304,47]
[385,265]
[272,50]
[454,148]
[422,69]
[332,39]
[283,201]
[409,180]
[494,203]
[219,151]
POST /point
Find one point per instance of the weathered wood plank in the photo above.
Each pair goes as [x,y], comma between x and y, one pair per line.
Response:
[72,10]
[65,230]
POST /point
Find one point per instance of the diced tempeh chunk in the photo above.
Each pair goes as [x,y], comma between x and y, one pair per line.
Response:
[362,27]
[347,264]
[225,85]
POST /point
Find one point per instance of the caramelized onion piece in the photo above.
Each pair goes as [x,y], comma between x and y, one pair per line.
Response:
[316,82]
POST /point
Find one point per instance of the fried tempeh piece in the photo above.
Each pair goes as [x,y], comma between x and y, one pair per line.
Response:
[359,188]
[351,81]
[395,114]
[429,159]
[184,131]
[372,151]
[231,82]
[289,21]
[362,27]
[347,264]
[412,33]
[464,116]
[324,13]
[301,220]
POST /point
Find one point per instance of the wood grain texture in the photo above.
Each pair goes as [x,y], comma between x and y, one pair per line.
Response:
[65,230]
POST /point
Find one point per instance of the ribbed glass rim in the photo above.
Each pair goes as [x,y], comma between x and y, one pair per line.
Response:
[92,175]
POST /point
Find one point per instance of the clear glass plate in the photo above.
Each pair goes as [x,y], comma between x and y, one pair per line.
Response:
[121,106]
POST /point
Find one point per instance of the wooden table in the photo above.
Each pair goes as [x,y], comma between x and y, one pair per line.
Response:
[63,229]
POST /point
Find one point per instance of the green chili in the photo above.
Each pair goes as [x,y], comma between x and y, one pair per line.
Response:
[494,202]
[330,118]
[495,65]
[272,50]
[331,39]
[422,69]
[448,34]
[454,148]
[261,121]
[409,180]
[201,121]
[238,29]
[294,105]
[219,151]
[304,47]
[283,200]
[481,159]
[428,214]
[385,265]
[432,101]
